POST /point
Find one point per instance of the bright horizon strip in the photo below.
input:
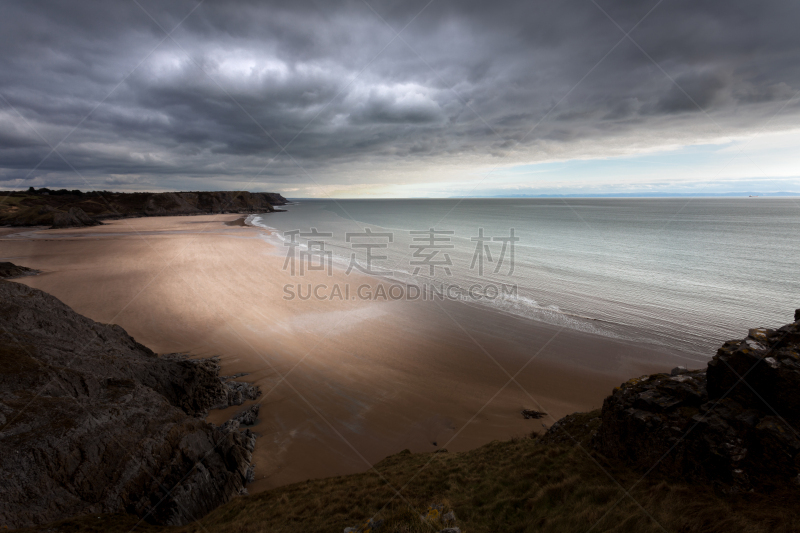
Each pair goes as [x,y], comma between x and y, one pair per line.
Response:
[764,163]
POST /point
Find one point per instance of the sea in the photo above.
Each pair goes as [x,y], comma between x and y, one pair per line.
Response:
[686,273]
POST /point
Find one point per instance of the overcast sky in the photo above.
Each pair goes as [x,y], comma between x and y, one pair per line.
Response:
[411,98]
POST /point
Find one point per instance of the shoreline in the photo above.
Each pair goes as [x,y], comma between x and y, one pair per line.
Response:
[6,229]
[366,379]
[574,321]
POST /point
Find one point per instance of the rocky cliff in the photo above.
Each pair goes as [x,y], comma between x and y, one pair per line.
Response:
[93,422]
[59,209]
[11,271]
[734,424]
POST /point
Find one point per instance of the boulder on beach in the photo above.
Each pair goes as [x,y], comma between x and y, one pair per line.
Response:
[11,271]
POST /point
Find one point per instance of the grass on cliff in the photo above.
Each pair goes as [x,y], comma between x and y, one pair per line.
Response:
[523,485]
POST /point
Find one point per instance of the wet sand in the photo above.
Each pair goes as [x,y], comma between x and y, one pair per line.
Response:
[346,382]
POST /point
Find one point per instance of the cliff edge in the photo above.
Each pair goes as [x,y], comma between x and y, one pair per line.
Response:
[734,423]
[91,421]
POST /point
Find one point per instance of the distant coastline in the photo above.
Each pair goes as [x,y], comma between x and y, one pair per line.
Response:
[74,208]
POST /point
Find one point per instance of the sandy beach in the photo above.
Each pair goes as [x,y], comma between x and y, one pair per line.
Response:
[345,382]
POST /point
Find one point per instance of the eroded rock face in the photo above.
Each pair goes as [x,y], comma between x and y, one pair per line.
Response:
[249,416]
[762,371]
[734,423]
[93,422]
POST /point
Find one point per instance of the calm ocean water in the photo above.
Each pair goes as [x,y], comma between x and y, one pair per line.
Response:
[688,273]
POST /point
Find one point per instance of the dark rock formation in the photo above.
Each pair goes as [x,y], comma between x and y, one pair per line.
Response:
[532,413]
[61,209]
[208,390]
[93,422]
[248,416]
[11,271]
[239,392]
[734,423]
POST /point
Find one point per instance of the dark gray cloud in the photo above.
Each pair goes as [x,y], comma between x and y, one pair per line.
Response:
[330,81]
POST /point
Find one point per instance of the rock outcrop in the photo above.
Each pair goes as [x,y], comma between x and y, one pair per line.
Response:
[91,421]
[11,271]
[527,414]
[734,423]
[249,416]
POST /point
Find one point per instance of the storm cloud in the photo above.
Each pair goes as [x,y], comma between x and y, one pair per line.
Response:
[314,95]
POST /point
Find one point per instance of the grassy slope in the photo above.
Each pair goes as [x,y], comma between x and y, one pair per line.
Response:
[520,485]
